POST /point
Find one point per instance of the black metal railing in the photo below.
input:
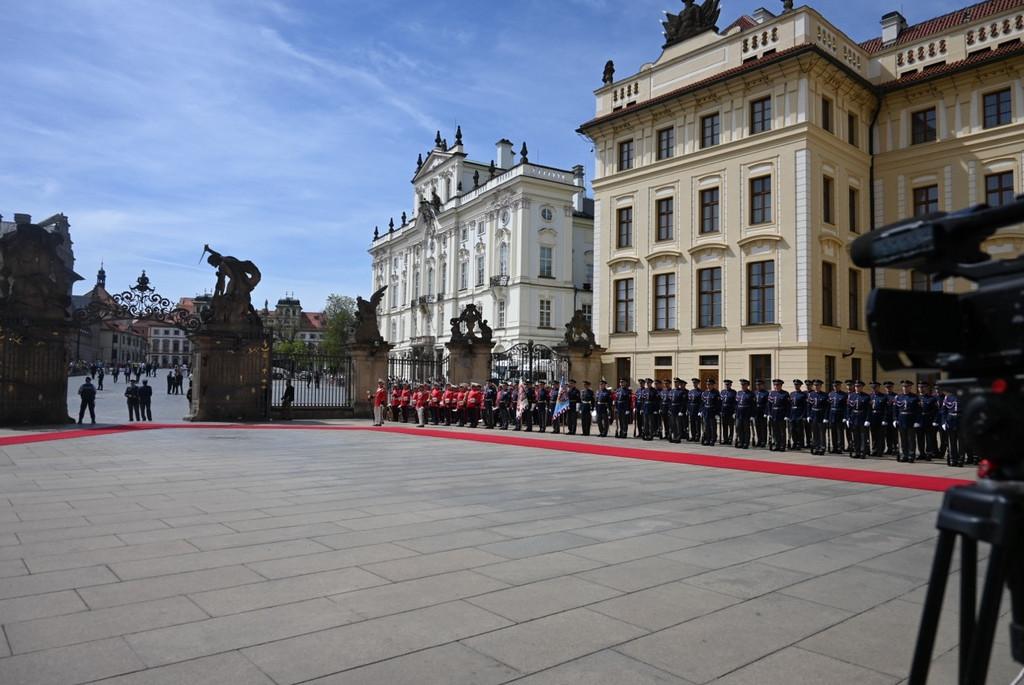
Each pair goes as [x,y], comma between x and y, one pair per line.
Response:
[529,361]
[320,381]
[424,368]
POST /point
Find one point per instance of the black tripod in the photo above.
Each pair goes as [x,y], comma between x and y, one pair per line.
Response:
[993,512]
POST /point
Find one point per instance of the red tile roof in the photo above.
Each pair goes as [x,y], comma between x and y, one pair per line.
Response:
[945,22]
[312,321]
[975,60]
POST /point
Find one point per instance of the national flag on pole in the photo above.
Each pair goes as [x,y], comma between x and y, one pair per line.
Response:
[562,403]
[521,403]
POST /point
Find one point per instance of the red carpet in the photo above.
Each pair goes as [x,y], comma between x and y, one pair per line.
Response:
[612,449]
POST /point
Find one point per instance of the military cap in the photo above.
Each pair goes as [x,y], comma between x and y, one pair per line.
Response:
[836,383]
[923,383]
[586,382]
[695,380]
[874,384]
[797,381]
[777,380]
[678,380]
[808,382]
[888,384]
[759,380]
[682,381]
[849,382]
[858,383]
[906,383]
[727,382]
[744,381]
[817,381]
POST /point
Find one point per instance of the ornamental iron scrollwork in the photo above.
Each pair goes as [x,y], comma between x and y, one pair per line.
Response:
[139,302]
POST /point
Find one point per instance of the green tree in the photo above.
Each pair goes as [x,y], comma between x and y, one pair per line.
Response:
[339,318]
[293,348]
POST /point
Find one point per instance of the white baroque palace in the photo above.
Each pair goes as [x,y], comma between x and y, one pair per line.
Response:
[513,237]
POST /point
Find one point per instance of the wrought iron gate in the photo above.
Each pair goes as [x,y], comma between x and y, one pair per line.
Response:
[529,361]
[321,381]
[418,368]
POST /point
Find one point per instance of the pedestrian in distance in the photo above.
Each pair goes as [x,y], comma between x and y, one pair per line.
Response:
[131,394]
[145,401]
[380,399]
[87,391]
[287,399]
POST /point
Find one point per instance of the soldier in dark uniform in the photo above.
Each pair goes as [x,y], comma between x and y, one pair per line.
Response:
[797,416]
[693,409]
[728,396]
[131,394]
[603,404]
[892,436]
[623,409]
[490,404]
[928,422]
[572,414]
[530,411]
[145,402]
[87,391]
[501,406]
[950,414]
[677,410]
[665,404]
[837,417]
[761,413]
[906,414]
[817,418]
[858,404]
[778,412]
[878,417]
[541,409]
[744,414]
[640,403]
[711,406]
[652,410]
[586,407]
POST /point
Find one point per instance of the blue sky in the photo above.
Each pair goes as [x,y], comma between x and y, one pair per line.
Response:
[282,132]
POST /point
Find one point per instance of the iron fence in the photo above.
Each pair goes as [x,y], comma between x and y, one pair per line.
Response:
[418,368]
[321,381]
[529,361]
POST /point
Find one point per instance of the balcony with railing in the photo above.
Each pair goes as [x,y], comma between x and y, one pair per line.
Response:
[499,281]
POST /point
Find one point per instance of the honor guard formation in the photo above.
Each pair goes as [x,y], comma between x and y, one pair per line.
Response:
[910,426]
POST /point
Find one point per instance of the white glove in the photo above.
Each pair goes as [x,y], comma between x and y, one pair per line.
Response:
[917,425]
[945,427]
[867,424]
[846,422]
[825,421]
[885,423]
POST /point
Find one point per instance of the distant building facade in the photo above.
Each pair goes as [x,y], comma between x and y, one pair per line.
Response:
[513,237]
[108,342]
[733,173]
[287,322]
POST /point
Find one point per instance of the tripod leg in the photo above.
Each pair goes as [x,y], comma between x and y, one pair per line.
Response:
[981,645]
[968,591]
[932,608]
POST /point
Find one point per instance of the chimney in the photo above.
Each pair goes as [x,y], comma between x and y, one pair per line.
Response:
[893,25]
[505,155]
[577,180]
[22,219]
[761,15]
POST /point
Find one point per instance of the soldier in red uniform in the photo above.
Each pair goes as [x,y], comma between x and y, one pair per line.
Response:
[396,401]
[380,398]
[448,404]
[474,401]
[435,404]
[419,402]
[405,401]
[460,404]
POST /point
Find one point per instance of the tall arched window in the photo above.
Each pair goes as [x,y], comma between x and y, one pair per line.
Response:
[430,279]
[503,259]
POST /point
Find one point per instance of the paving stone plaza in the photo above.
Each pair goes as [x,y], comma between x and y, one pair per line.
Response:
[219,555]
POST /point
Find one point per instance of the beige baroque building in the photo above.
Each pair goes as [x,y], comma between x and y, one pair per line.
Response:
[733,173]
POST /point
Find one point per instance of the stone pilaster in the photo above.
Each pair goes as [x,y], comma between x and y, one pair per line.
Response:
[230,381]
[33,376]
[369,364]
[469,362]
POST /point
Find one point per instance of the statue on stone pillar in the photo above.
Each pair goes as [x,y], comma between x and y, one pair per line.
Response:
[232,296]
[367,332]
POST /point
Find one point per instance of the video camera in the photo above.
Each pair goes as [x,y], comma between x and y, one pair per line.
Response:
[977,336]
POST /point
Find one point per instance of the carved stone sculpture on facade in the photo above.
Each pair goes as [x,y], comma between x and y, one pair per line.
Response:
[367,332]
[693,20]
[232,296]
[578,332]
[464,328]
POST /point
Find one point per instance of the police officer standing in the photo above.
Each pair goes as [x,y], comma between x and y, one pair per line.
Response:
[87,391]
[145,402]
[490,403]
[837,417]
[623,409]
[711,406]
[878,412]
[761,413]
[603,404]
[728,396]
[798,415]
[744,413]
[906,409]
[817,417]
[778,412]
[693,410]
[858,403]
[572,413]
[652,410]
[131,394]
[892,436]
[586,407]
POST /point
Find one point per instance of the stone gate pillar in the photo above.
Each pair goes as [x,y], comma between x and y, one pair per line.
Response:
[469,361]
[581,349]
[369,364]
[231,378]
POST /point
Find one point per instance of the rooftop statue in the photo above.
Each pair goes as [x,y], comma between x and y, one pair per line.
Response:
[693,20]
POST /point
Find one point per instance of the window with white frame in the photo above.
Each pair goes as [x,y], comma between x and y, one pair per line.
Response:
[463,274]
[546,258]
[501,313]
[479,270]
[545,313]
[503,259]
